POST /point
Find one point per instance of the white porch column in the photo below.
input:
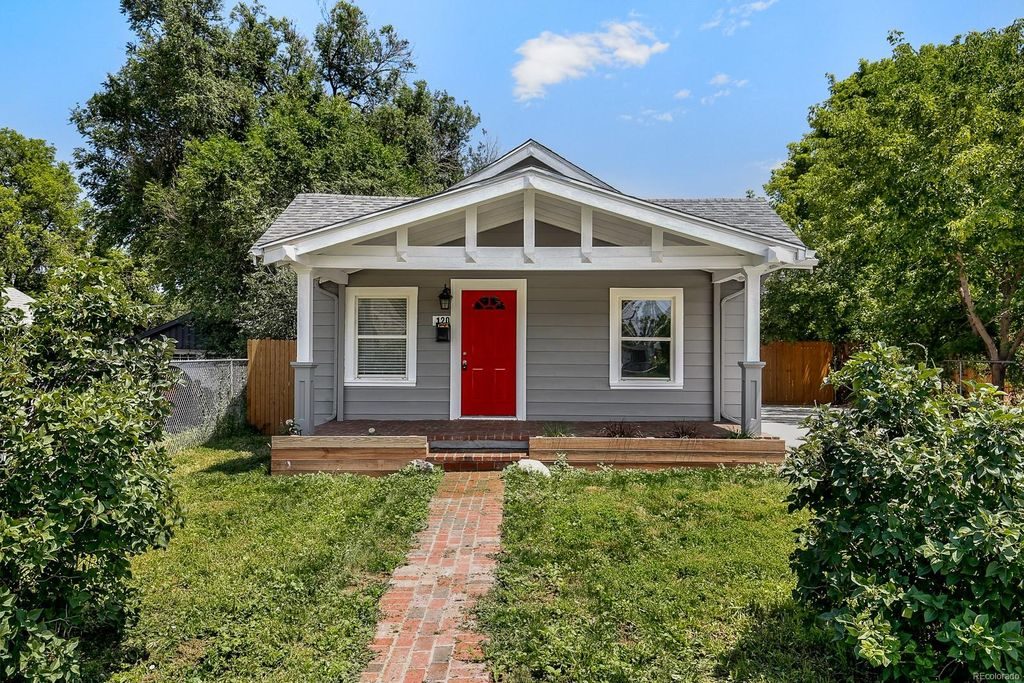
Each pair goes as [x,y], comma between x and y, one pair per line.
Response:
[751,365]
[304,365]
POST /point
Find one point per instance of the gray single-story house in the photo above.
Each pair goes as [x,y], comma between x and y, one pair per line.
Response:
[529,290]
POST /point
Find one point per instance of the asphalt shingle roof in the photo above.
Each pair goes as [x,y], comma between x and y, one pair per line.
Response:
[755,215]
[309,211]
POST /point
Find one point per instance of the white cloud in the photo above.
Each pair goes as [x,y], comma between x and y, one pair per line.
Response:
[647,117]
[710,99]
[682,94]
[733,19]
[551,58]
[725,83]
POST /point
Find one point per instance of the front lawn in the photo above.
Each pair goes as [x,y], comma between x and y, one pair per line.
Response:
[678,575]
[271,579]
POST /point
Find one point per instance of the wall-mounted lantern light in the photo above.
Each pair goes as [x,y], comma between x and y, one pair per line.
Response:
[445,297]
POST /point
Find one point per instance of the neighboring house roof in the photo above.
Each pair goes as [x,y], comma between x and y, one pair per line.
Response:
[20,300]
[181,330]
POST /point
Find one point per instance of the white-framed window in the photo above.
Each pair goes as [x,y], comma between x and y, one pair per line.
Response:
[380,336]
[646,338]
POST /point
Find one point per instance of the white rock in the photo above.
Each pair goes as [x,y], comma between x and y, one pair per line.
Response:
[533,467]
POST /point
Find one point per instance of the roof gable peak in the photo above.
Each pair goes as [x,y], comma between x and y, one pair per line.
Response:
[532,154]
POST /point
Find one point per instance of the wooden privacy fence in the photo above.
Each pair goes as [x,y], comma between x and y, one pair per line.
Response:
[794,372]
[270,393]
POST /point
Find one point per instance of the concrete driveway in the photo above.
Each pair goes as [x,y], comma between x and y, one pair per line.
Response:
[784,422]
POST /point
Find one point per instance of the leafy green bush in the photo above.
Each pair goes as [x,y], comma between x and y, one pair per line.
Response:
[914,545]
[83,484]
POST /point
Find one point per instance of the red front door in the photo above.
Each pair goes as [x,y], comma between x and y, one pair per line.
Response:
[489,352]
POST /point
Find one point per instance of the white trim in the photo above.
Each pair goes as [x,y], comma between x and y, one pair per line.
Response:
[532,148]
[455,371]
[411,295]
[615,297]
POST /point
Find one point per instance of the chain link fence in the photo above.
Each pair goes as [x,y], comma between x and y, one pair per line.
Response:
[208,398]
[960,371]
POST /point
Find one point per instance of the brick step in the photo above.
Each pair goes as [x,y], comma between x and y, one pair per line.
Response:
[475,462]
[471,445]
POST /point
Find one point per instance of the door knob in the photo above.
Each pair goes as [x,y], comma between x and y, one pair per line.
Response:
[465,364]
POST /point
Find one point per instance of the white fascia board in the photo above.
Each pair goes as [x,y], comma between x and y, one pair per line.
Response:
[532,148]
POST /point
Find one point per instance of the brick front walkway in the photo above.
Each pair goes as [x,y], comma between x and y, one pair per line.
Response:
[426,632]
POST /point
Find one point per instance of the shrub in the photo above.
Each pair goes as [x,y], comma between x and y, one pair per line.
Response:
[913,551]
[622,430]
[83,483]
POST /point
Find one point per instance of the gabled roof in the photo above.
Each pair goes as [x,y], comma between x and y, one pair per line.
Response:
[317,213]
[532,153]
[310,211]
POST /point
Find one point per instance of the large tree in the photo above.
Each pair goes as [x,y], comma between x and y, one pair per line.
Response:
[41,212]
[910,184]
[214,123]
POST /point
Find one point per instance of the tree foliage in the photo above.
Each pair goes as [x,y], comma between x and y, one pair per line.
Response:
[84,484]
[914,551]
[910,184]
[41,213]
[215,122]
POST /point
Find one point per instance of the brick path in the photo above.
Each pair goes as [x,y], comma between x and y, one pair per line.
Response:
[426,633]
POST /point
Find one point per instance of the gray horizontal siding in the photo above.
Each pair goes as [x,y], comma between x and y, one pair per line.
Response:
[566,350]
[732,354]
[325,328]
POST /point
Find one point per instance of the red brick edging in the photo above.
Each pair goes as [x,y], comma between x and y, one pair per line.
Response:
[426,632]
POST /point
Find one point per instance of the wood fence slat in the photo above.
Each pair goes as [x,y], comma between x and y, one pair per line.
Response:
[795,371]
[270,387]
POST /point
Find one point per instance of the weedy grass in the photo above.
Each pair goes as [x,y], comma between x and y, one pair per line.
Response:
[677,575]
[270,578]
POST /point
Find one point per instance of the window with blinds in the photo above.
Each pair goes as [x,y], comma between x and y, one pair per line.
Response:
[380,336]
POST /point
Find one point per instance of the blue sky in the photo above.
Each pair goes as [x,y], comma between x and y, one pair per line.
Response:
[659,99]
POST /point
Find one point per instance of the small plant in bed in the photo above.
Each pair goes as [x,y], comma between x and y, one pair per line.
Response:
[622,430]
[556,429]
[683,430]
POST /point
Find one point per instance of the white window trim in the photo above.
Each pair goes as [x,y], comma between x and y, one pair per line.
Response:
[410,294]
[616,295]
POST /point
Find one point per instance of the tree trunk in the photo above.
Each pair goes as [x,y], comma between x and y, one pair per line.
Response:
[999,375]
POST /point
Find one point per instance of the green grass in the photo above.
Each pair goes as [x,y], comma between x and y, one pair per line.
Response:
[270,579]
[672,576]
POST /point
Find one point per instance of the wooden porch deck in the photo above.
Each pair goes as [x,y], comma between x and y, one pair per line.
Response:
[514,430]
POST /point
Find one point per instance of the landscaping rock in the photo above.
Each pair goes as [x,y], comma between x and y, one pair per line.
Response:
[421,466]
[533,467]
